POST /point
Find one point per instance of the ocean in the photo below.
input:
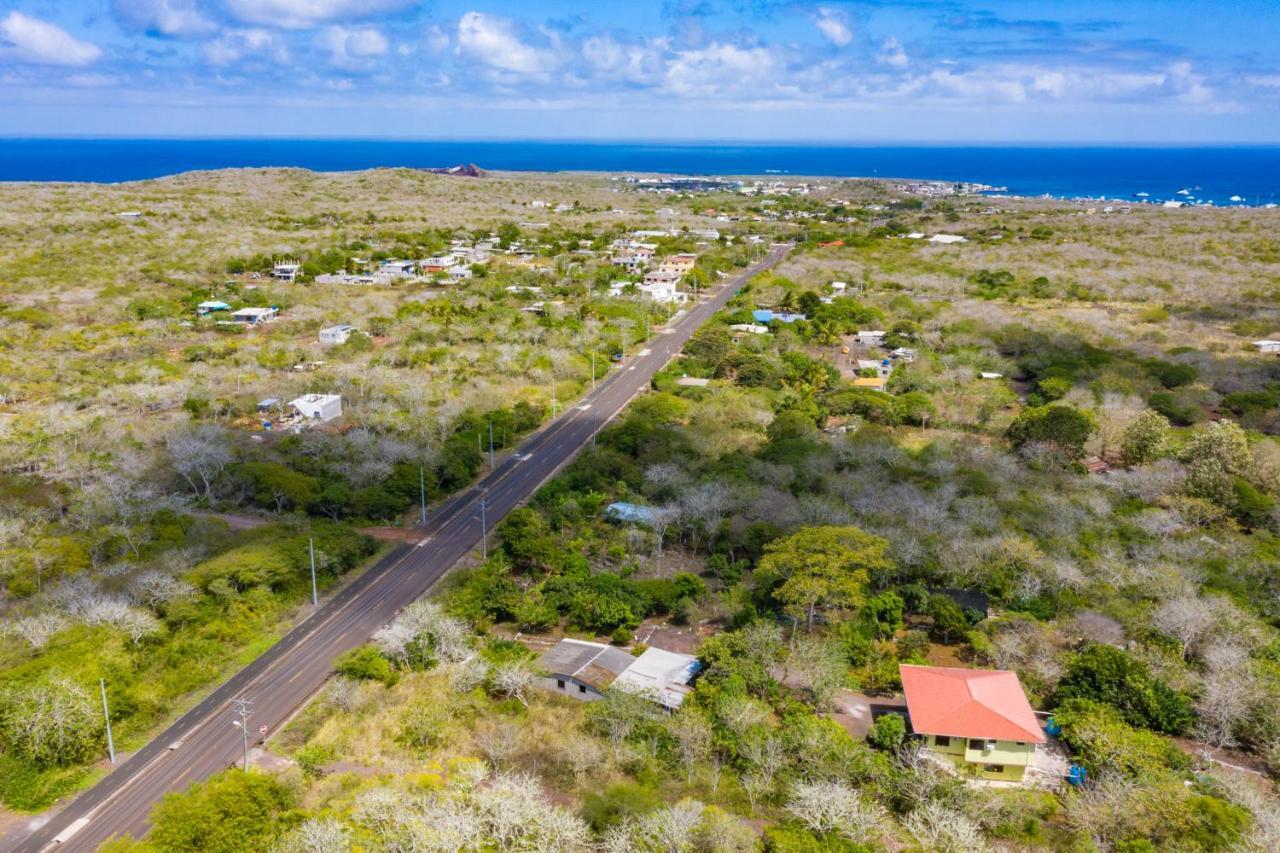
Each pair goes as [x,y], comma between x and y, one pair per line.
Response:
[1250,174]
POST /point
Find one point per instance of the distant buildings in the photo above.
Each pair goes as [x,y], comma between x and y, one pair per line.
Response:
[286,270]
[336,334]
[211,306]
[253,316]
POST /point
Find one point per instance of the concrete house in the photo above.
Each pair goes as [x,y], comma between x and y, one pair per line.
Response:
[210,306]
[978,719]
[254,316]
[286,270]
[318,407]
[662,675]
[1269,347]
[336,334]
[582,669]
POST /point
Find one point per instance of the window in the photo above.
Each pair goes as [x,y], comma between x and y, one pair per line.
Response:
[993,768]
[977,743]
[941,740]
[560,683]
[582,688]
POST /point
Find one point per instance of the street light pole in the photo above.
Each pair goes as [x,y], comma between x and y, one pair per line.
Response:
[593,371]
[315,594]
[484,532]
[422,491]
[106,714]
[490,444]
[243,707]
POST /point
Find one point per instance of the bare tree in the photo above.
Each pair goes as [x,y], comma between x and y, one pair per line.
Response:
[199,455]
[317,835]
[498,741]
[834,806]
[514,679]
[1187,618]
[945,830]
[692,734]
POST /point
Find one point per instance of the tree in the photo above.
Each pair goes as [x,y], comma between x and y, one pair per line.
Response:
[230,813]
[619,713]
[366,663]
[199,455]
[1216,455]
[692,734]
[53,722]
[1186,618]
[1062,427]
[824,566]
[1113,677]
[514,679]
[835,807]
[948,618]
[1145,438]
[888,732]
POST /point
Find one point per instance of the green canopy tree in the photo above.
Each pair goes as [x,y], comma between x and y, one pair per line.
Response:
[1063,427]
[825,566]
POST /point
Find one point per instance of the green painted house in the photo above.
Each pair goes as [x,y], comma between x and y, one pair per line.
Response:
[979,719]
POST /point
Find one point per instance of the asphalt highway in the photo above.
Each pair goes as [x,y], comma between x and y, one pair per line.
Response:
[206,739]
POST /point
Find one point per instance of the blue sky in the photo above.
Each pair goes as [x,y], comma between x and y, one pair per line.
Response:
[780,70]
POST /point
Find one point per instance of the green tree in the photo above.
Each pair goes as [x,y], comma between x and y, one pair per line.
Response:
[230,813]
[53,722]
[1113,677]
[824,566]
[366,663]
[1060,426]
[888,732]
[1145,438]
[949,621]
[1217,454]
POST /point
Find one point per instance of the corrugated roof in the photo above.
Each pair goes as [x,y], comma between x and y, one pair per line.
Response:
[969,703]
[595,664]
[667,674]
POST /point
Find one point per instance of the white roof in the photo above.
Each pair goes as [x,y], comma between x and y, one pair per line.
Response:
[341,327]
[658,671]
[1266,343]
[947,238]
[988,375]
[254,312]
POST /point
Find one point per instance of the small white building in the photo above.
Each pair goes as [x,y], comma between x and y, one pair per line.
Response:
[1268,346]
[662,675]
[254,316]
[870,338]
[947,239]
[286,270]
[749,328]
[336,334]
[318,407]
[839,287]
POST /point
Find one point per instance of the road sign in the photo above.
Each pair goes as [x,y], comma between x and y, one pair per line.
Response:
[262,730]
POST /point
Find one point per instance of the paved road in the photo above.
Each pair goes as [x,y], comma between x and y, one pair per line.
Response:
[205,740]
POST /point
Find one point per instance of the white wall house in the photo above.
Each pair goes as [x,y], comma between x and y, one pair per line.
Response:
[318,407]
[336,334]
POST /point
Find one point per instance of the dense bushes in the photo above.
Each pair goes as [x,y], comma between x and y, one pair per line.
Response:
[1109,676]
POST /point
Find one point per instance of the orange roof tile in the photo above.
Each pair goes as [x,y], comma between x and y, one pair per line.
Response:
[969,703]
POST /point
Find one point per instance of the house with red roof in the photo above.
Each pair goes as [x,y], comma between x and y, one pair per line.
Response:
[979,718]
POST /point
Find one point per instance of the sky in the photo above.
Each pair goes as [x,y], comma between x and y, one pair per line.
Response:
[753,70]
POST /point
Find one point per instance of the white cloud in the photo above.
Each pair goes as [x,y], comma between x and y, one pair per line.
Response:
[247,46]
[640,64]
[173,18]
[306,14]
[496,42]
[892,54]
[436,39]
[720,68]
[353,49]
[834,25]
[27,39]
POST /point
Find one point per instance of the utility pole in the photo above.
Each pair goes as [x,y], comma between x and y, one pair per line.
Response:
[593,371]
[315,594]
[553,393]
[422,491]
[490,444]
[484,532]
[243,711]
[106,715]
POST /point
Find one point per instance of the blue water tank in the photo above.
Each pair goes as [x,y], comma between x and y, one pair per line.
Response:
[1051,728]
[1076,775]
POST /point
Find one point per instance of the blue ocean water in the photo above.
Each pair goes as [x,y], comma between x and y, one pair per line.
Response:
[1251,173]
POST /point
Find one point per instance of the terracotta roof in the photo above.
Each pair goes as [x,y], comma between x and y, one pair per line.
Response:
[969,703]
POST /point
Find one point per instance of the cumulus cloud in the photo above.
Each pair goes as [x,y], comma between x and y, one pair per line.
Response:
[27,39]
[834,25]
[254,46]
[496,42]
[719,68]
[892,54]
[353,49]
[170,18]
[306,14]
